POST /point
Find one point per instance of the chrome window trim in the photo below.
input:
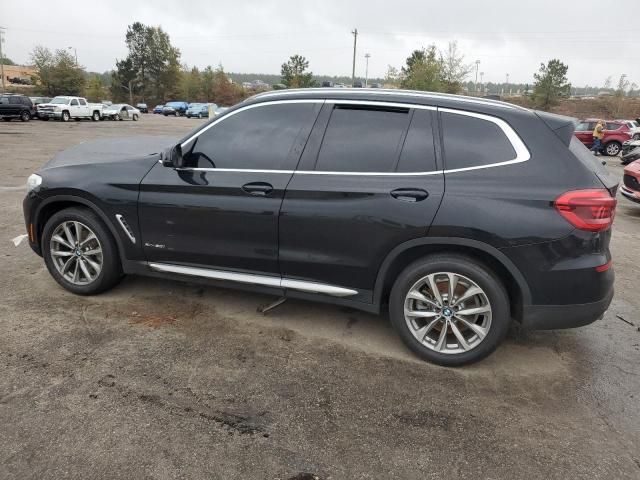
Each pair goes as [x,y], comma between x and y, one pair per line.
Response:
[522,153]
[264,280]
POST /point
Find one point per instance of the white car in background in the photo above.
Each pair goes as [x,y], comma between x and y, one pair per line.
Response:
[121,111]
[634,127]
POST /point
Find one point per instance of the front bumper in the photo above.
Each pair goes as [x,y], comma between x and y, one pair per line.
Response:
[49,114]
[630,194]
[552,317]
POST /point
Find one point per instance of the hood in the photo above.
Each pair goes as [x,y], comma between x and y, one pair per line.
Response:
[111,151]
[633,169]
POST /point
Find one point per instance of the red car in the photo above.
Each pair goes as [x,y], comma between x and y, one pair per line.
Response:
[631,182]
[615,134]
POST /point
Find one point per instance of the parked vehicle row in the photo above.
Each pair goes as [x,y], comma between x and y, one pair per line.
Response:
[616,133]
[65,108]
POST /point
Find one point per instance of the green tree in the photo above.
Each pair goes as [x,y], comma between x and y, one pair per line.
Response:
[57,73]
[152,65]
[7,61]
[294,73]
[191,84]
[550,84]
[422,70]
[392,76]
[453,69]
[95,89]
[208,83]
[122,81]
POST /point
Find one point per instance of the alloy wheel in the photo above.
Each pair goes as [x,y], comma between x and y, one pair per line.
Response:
[76,252]
[447,313]
[613,149]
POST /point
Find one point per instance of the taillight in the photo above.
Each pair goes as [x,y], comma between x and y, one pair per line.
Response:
[591,210]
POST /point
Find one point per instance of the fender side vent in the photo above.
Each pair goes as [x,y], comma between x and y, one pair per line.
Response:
[125,226]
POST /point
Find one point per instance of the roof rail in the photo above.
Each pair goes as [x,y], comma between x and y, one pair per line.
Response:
[389,91]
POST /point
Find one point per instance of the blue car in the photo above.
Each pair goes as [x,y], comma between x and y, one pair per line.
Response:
[177,109]
[158,108]
[200,110]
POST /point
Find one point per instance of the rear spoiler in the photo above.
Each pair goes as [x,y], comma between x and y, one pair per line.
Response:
[562,126]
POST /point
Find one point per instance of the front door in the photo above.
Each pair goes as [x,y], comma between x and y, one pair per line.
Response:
[221,211]
[368,181]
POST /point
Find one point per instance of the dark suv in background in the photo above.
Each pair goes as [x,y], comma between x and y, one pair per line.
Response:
[454,215]
[16,106]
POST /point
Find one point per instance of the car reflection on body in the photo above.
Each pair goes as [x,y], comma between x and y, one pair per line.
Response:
[121,111]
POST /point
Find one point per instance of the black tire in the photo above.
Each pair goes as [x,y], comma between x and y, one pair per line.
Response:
[25,116]
[612,149]
[6,119]
[111,272]
[135,117]
[116,117]
[65,117]
[176,114]
[474,271]
[636,136]
[96,116]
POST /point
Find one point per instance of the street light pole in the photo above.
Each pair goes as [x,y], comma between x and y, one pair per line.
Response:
[506,88]
[353,69]
[76,54]
[366,69]
[482,82]
[2,57]
[477,67]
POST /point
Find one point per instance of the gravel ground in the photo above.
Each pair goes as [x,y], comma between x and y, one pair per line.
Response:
[160,379]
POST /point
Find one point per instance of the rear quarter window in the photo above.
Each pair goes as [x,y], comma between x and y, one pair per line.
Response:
[473,142]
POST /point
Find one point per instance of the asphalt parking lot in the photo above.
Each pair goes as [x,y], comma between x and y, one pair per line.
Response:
[162,379]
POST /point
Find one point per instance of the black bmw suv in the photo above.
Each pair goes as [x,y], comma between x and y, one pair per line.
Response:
[454,215]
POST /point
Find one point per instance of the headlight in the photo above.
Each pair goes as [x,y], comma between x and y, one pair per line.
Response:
[33,182]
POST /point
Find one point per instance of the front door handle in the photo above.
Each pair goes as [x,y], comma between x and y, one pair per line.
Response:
[258,189]
[409,194]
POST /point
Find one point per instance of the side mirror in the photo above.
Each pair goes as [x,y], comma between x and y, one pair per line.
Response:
[173,157]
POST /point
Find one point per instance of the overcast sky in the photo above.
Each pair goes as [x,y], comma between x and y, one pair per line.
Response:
[258,36]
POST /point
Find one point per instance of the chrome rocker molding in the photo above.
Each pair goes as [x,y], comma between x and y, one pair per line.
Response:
[276,282]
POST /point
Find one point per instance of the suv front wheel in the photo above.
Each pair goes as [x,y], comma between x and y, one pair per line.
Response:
[80,252]
[449,309]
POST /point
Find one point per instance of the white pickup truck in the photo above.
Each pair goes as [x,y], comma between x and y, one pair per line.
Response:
[65,108]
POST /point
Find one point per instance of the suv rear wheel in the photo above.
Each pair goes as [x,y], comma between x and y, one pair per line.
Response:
[25,116]
[80,252]
[612,149]
[449,309]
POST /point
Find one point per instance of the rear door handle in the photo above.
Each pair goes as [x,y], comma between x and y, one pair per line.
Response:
[258,189]
[409,194]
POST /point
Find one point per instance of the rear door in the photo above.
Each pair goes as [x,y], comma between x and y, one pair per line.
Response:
[584,132]
[368,180]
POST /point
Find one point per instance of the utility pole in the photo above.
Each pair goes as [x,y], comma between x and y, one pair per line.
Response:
[477,67]
[2,57]
[366,69]
[506,88]
[353,69]
[482,82]
[76,54]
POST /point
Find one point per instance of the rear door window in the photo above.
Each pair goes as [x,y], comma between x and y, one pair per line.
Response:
[363,139]
[583,127]
[473,142]
[612,126]
[82,102]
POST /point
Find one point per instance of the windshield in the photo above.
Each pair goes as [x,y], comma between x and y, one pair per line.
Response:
[195,105]
[174,104]
[117,106]
[60,100]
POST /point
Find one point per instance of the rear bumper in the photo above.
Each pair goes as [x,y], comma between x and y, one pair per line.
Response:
[551,317]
